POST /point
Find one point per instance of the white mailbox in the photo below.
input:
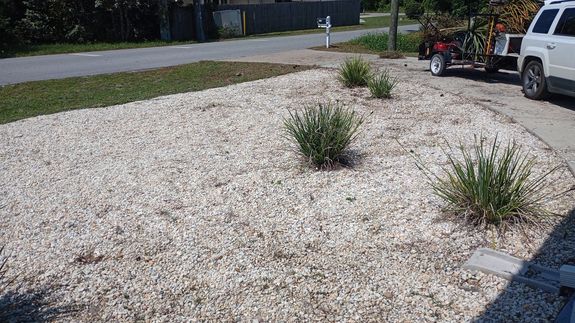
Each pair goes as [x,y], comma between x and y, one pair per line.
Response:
[325,23]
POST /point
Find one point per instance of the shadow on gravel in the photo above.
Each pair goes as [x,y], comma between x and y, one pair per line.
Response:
[514,304]
[503,77]
[480,75]
[32,307]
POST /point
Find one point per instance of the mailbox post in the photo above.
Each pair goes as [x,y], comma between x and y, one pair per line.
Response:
[325,23]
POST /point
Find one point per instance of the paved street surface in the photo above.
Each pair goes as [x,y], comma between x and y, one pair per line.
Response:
[16,70]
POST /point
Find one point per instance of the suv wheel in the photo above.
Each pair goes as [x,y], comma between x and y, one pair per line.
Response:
[534,83]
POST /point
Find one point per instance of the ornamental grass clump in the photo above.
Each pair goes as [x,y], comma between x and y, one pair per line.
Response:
[354,72]
[323,132]
[380,85]
[517,14]
[493,185]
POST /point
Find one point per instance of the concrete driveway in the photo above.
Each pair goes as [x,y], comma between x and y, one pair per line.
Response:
[553,121]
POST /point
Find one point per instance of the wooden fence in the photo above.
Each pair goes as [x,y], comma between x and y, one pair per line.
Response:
[270,17]
[285,16]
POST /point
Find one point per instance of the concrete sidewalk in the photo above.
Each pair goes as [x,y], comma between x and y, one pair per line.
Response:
[553,121]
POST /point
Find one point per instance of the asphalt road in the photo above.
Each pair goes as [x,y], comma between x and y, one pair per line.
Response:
[23,69]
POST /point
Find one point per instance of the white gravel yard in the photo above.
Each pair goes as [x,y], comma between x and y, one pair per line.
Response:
[194,206]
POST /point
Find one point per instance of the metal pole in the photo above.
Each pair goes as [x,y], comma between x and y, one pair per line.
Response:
[244,16]
[328,26]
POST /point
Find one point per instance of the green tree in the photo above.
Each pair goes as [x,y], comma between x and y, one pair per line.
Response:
[413,9]
[9,13]
[456,8]
[57,20]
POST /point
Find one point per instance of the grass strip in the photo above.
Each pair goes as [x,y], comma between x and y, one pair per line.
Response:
[376,43]
[31,99]
[64,48]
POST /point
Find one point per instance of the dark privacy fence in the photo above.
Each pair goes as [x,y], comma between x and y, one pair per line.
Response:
[269,17]
[182,26]
[284,16]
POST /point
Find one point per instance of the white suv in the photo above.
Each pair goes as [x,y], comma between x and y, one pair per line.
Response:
[547,59]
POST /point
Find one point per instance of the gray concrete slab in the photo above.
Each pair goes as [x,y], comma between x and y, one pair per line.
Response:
[500,264]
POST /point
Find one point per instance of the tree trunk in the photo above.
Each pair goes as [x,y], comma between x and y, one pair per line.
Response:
[392,40]
[122,26]
[200,35]
[163,13]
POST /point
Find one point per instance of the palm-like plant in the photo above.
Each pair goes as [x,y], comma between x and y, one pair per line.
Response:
[475,38]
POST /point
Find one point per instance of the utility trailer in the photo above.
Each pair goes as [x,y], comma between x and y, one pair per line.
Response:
[495,49]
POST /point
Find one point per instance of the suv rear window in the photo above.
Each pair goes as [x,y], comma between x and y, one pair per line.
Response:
[566,24]
[545,21]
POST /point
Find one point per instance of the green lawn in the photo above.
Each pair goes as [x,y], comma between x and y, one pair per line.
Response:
[376,43]
[30,99]
[347,47]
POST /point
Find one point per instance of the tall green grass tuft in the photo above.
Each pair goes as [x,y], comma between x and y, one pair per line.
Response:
[492,185]
[354,72]
[380,85]
[323,132]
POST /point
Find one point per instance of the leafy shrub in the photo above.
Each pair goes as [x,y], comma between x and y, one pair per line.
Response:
[323,132]
[354,72]
[32,22]
[384,6]
[229,32]
[378,41]
[492,185]
[381,85]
